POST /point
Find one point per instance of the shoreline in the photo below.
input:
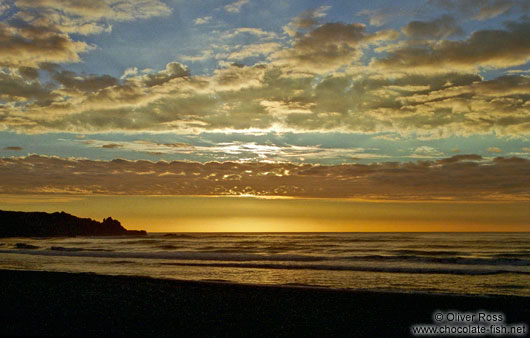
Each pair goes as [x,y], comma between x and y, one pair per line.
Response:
[38,303]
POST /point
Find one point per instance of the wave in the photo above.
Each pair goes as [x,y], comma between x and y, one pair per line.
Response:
[515,254]
[26,246]
[67,249]
[431,253]
[179,255]
[392,269]
[444,260]
[140,241]
[168,247]
[230,256]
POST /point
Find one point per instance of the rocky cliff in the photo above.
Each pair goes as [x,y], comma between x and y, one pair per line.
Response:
[42,224]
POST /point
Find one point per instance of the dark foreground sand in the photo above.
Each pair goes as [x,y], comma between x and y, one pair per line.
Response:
[50,303]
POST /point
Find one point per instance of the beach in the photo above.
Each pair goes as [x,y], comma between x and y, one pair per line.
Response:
[84,304]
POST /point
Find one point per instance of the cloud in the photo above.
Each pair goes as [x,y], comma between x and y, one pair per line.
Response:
[15,86]
[116,10]
[443,27]
[379,17]
[204,55]
[494,150]
[254,50]
[242,151]
[484,48]
[269,97]
[464,178]
[317,80]
[28,45]
[13,148]
[426,152]
[235,7]
[111,146]
[329,46]
[4,6]
[308,19]
[203,20]
[173,70]
[482,9]
[131,71]
[257,32]
[459,158]
[39,31]
[91,83]
[237,76]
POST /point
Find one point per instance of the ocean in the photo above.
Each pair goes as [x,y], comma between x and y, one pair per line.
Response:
[447,263]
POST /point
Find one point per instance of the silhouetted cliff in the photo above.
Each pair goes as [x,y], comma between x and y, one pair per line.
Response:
[42,224]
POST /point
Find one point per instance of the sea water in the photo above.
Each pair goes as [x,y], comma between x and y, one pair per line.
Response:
[456,263]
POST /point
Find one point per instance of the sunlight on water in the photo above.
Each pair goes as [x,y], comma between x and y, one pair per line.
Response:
[410,262]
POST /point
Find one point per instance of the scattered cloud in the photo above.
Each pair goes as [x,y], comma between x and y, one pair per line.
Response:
[28,45]
[460,178]
[131,71]
[203,55]
[324,77]
[39,31]
[329,47]
[13,148]
[308,19]
[71,82]
[426,152]
[379,17]
[269,97]
[203,20]
[494,150]
[242,151]
[483,48]
[111,146]
[235,7]
[257,32]
[482,9]
[443,27]
[254,50]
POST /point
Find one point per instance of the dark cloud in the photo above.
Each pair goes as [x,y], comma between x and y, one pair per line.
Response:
[443,27]
[484,48]
[16,87]
[173,70]
[310,18]
[111,146]
[90,83]
[319,81]
[28,73]
[27,45]
[458,178]
[86,16]
[459,158]
[482,9]
[13,148]
[330,46]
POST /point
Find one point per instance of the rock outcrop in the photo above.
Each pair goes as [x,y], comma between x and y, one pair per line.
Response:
[42,224]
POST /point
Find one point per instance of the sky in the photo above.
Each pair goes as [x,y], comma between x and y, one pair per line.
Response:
[286,115]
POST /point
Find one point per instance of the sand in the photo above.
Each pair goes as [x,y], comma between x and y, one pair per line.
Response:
[64,304]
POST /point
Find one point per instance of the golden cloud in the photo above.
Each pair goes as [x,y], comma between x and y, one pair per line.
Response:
[443,27]
[462,178]
[484,48]
[329,47]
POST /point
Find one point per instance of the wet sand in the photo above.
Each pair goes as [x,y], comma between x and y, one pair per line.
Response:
[65,304]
